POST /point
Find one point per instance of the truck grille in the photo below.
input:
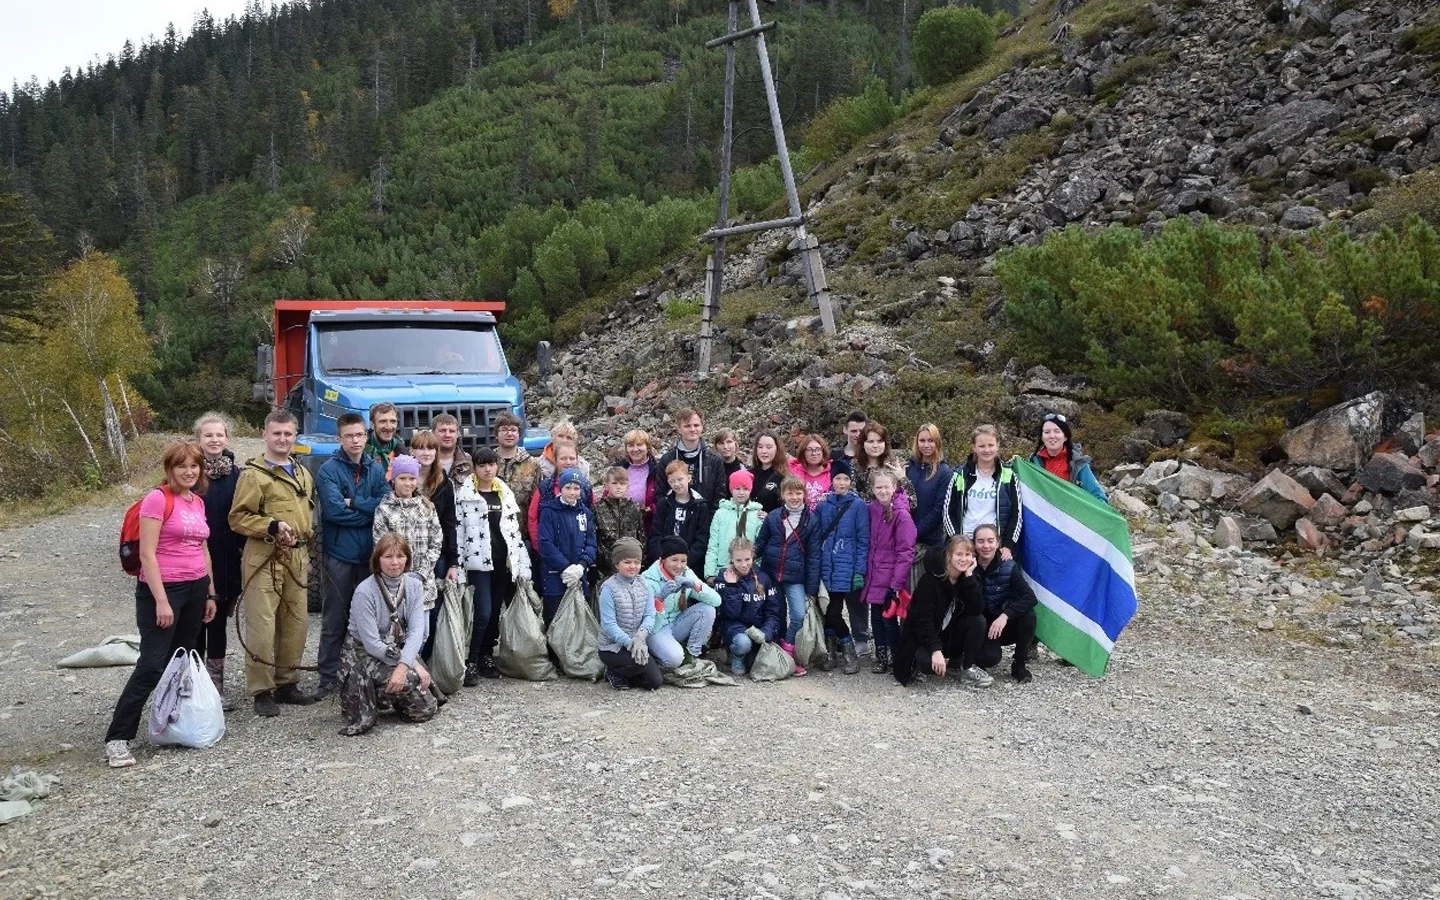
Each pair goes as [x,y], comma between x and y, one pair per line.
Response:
[477,423]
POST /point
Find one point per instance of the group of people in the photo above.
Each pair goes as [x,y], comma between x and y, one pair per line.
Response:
[682,548]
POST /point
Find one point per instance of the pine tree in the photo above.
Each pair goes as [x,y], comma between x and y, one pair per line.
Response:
[24,252]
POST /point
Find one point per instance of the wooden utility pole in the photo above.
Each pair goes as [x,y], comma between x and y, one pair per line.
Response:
[817,288]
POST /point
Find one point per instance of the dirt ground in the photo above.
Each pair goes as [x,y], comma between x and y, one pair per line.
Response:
[1212,762]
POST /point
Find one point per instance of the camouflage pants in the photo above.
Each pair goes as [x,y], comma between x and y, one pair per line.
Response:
[363,679]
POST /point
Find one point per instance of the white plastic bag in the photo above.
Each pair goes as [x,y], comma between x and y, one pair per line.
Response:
[200,719]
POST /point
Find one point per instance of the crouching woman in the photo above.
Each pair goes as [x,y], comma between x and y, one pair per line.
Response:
[388,624]
[945,624]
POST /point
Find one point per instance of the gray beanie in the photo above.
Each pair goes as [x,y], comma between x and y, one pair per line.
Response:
[625,548]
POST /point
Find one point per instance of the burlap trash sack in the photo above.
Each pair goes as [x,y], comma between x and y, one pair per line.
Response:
[522,652]
[694,673]
[772,664]
[574,635]
[452,637]
[116,650]
[810,642]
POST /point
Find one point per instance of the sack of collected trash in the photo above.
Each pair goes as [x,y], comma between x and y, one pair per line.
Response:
[697,673]
[452,637]
[574,635]
[185,709]
[115,650]
[523,652]
[810,642]
[772,663]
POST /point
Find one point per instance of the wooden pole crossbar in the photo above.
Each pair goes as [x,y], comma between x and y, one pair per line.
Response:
[816,286]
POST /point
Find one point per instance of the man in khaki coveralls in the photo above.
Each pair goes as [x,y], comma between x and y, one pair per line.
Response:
[272,509]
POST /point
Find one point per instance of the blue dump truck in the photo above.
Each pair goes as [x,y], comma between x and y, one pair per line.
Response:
[427,357]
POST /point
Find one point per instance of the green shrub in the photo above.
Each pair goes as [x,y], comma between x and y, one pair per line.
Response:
[847,121]
[1201,310]
[950,40]
[1417,195]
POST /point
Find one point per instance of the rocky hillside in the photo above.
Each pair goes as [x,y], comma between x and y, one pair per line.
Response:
[1275,117]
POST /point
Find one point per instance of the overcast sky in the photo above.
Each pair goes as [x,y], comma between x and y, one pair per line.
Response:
[42,37]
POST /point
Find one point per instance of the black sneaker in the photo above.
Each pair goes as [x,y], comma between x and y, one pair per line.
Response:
[326,689]
[1021,673]
[472,675]
[618,682]
[265,704]
[291,695]
[487,667]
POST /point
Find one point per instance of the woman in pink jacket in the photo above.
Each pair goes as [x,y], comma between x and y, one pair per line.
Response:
[887,570]
[811,464]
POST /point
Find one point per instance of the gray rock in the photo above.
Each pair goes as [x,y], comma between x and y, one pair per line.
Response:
[1075,198]
[1429,455]
[1169,502]
[1320,480]
[1413,514]
[1327,512]
[1308,18]
[1340,437]
[1136,447]
[1285,126]
[1190,482]
[1391,473]
[1078,84]
[1129,504]
[1409,127]
[1301,218]
[1258,530]
[1023,118]
[1410,436]
[1170,427]
[1227,535]
[1278,499]
[1040,380]
[1029,410]
[1156,472]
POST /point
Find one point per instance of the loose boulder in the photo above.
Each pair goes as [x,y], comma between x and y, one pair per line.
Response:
[1339,438]
[1308,536]
[1227,534]
[1327,512]
[1319,480]
[1169,427]
[1278,499]
[1391,473]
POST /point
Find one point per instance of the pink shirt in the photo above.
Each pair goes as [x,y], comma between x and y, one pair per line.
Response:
[181,549]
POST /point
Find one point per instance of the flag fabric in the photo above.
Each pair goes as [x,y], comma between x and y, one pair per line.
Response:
[1075,554]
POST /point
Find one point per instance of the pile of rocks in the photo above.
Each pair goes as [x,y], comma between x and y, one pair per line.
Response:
[1350,485]
[1209,109]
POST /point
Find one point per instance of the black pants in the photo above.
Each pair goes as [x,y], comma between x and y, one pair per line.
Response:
[211,642]
[835,617]
[157,646]
[963,640]
[1019,631]
[620,662]
[885,632]
[491,590]
[340,580]
[550,605]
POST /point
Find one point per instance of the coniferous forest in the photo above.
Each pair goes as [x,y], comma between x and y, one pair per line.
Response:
[520,149]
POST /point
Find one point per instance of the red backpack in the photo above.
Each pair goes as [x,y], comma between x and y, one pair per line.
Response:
[130,531]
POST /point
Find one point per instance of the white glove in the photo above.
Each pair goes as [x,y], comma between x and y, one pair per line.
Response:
[640,647]
[756,636]
[571,575]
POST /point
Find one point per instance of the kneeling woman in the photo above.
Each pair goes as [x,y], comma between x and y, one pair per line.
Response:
[946,619]
[388,624]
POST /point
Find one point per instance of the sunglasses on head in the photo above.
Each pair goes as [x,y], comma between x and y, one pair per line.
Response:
[1054,417]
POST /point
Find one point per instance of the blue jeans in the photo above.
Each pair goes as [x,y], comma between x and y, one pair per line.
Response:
[491,592]
[795,605]
[886,631]
[692,627]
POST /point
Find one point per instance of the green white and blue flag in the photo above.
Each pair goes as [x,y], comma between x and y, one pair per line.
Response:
[1075,553]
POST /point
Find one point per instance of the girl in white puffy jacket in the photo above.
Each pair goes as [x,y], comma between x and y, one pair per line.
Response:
[492,553]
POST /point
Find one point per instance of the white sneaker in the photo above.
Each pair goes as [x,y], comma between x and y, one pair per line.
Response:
[976,676]
[118,755]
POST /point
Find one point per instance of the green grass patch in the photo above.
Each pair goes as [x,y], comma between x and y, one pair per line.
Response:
[975,173]
[1109,88]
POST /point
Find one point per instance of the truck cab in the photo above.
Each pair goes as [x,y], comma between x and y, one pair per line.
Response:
[427,357]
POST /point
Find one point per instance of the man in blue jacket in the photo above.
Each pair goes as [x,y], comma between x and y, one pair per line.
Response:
[350,486]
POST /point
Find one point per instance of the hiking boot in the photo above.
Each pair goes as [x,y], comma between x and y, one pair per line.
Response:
[976,677]
[487,667]
[216,669]
[291,695]
[472,674]
[1020,672]
[849,659]
[118,755]
[827,660]
[618,682]
[882,660]
[326,689]
[265,704]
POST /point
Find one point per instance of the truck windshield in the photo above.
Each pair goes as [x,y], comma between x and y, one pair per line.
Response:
[388,349]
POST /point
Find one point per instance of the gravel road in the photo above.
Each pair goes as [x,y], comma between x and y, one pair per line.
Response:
[1213,762]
